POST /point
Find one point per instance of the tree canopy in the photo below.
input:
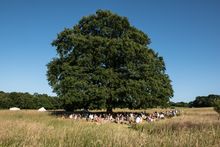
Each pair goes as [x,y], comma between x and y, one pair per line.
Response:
[104,62]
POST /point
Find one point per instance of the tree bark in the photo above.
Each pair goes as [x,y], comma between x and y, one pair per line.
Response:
[109,109]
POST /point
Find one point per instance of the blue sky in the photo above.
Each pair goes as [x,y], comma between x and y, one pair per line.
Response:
[185,32]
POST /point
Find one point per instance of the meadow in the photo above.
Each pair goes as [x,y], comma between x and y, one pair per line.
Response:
[195,127]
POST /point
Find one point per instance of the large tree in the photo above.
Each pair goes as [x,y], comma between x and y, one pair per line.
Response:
[104,62]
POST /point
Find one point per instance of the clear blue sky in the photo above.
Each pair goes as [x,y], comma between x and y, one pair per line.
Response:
[185,32]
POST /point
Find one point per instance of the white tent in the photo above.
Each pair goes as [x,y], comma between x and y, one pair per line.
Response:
[14,109]
[42,109]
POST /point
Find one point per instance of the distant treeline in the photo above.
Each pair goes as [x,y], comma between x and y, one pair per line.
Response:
[200,101]
[28,101]
[35,101]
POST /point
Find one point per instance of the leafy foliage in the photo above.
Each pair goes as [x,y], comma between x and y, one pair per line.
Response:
[217,106]
[179,104]
[28,101]
[104,62]
[205,101]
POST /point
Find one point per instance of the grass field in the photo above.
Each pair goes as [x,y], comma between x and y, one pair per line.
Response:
[196,127]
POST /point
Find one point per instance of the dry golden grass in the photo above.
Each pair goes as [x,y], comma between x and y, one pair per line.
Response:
[195,127]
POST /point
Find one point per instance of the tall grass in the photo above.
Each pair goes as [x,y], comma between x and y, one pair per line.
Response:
[195,127]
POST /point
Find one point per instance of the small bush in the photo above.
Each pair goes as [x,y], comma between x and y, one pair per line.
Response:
[217,107]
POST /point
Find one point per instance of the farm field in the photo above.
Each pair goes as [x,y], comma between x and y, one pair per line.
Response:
[196,127]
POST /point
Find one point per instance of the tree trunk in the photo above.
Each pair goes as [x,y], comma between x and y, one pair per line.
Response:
[109,103]
[109,109]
